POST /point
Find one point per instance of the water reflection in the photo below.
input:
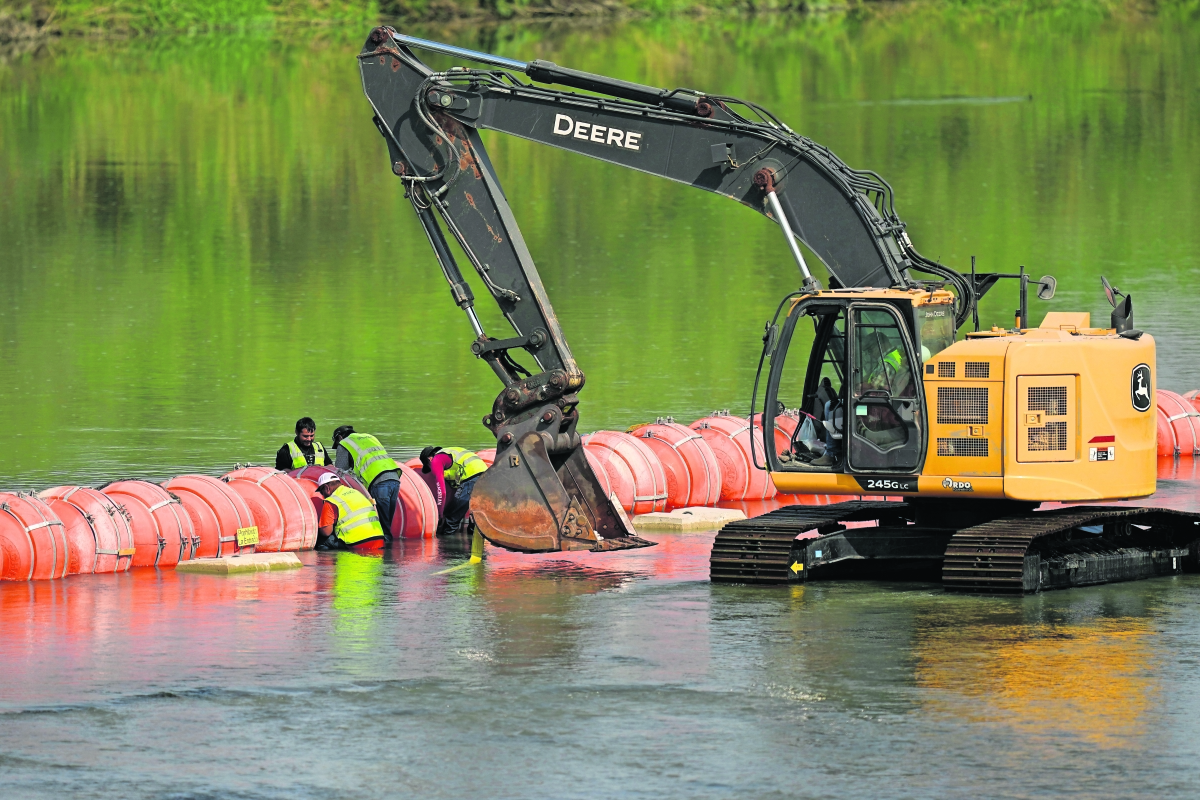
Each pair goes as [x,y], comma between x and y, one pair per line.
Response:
[1079,665]
[175,216]
[357,601]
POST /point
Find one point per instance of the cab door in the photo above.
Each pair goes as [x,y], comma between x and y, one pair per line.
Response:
[885,415]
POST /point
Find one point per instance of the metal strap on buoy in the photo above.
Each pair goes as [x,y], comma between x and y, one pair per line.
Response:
[29,529]
[676,447]
[32,553]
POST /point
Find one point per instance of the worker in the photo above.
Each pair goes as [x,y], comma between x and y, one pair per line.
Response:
[888,377]
[348,519]
[451,473]
[885,365]
[362,454]
[434,464]
[304,450]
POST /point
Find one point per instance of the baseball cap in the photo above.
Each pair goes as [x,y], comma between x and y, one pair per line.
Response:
[328,477]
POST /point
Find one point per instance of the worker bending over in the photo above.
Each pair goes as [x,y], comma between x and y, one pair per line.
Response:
[304,450]
[451,473]
[348,518]
[362,454]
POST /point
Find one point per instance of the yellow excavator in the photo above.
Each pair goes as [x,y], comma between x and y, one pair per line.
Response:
[973,436]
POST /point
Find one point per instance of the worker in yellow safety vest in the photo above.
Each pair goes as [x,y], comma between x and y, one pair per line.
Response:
[304,450]
[368,459]
[348,519]
[451,473]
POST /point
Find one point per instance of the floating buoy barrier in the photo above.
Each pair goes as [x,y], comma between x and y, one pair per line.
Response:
[729,438]
[601,473]
[289,506]
[692,471]
[308,477]
[785,428]
[614,474]
[217,513]
[163,534]
[653,467]
[649,480]
[98,531]
[1178,425]
[33,539]
[1193,397]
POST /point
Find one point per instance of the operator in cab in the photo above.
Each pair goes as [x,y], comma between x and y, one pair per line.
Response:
[834,422]
[348,519]
[451,473]
[304,450]
[362,454]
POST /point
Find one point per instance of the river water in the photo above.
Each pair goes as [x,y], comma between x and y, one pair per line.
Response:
[201,242]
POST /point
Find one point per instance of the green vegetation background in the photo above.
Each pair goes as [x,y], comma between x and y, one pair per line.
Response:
[26,18]
[186,221]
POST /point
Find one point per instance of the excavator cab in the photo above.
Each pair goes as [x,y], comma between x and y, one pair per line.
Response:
[851,363]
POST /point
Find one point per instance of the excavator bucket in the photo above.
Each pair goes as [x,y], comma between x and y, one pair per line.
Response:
[535,500]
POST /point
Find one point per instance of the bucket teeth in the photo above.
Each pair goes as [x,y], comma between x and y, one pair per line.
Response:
[622,543]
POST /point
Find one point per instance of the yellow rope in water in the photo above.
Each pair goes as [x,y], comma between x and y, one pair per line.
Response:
[476,555]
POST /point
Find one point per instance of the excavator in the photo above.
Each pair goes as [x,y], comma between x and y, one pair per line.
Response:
[981,440]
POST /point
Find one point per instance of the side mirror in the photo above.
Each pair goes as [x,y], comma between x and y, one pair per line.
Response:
[1109,291]
[1046,287]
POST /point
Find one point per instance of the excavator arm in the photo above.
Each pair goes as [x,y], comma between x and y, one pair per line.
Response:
[541,494]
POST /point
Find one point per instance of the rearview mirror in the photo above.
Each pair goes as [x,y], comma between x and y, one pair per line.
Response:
[1109,291]
[1046,287]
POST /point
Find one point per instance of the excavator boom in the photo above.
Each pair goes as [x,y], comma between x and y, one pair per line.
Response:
[541,494]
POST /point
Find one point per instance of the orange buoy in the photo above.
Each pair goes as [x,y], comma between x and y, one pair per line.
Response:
[99,535]
[413,463]
[314,497]
[598,469]
[691,468]
[1193,397]
[16,549]
[313,472]
[297,520]
[1178,425]
[33,539]
[308,476]
[417,515]
[81,538]
[729,438]
[613,473]
[268,516]
[786,424]
[217,513]
[649,479]
[163,534]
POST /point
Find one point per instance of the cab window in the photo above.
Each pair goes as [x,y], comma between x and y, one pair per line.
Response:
[883,365]
[935,329]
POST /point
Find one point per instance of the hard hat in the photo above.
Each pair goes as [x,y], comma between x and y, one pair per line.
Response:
[328,477]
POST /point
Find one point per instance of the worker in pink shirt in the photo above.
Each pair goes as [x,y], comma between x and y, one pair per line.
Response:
[434,464]
[451,473]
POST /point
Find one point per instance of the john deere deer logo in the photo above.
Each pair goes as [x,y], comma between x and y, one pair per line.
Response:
[1140,387]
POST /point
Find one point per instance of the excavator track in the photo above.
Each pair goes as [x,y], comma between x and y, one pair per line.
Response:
[1042,550]
[759,550]
[1020,554]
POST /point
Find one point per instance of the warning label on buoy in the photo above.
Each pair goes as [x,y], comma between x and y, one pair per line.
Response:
[247,536]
